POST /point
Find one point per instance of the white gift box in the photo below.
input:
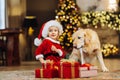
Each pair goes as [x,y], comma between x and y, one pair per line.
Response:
[88,71]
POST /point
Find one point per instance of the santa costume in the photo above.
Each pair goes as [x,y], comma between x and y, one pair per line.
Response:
[44,46]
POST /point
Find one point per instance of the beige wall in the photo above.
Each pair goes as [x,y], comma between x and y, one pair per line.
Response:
[85,5]
[16,11]
[107,35]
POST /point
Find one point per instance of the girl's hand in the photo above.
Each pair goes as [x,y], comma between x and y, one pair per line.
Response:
[44,61]
[41,60]
[53,48]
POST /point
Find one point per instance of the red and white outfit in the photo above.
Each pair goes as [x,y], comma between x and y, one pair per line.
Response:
[44,50]
[44,46]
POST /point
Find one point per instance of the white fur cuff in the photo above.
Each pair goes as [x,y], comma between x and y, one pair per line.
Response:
[39,56]
[60,52]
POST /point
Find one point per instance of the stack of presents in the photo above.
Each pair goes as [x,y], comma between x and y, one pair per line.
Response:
[65,69]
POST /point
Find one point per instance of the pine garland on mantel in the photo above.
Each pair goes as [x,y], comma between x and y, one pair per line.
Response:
[103,18]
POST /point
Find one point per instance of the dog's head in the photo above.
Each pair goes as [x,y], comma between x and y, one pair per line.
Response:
[80,38]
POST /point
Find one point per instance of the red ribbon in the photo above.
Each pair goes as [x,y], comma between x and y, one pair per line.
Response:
[86,65]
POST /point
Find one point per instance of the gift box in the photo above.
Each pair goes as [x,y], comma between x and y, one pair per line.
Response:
[47,65]
[50,65]
[68,69]
[88,71]
[46,73]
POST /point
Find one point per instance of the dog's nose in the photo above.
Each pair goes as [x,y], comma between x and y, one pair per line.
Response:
[74,45]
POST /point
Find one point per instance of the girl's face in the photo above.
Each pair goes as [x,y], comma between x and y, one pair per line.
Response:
[53,32]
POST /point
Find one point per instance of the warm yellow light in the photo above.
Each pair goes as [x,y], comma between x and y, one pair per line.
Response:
[30,31]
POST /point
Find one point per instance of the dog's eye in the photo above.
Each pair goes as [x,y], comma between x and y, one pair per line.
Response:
[79,37]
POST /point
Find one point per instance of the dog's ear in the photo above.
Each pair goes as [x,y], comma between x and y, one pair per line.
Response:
[87,38]
[73,36]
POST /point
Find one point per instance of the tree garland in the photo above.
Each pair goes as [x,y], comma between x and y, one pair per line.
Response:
[104,18]
[109,49]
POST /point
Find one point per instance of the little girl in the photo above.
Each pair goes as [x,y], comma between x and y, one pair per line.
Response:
[49,48]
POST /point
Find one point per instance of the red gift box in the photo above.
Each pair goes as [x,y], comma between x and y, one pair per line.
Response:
[46,73]
[48,65]
[88,71]
[68,69]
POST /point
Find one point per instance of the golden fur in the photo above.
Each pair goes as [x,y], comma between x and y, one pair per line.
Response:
[88,41]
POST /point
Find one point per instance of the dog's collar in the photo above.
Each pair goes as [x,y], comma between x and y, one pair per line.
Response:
[77,48]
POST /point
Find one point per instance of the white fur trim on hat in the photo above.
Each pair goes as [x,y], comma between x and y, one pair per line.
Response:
[37,41]
[49,24]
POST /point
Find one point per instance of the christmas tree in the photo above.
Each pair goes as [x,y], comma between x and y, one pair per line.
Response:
[68,15]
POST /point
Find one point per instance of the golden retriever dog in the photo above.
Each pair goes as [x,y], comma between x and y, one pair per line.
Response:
[86,46]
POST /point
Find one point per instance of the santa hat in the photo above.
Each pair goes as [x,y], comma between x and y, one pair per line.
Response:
[44,30]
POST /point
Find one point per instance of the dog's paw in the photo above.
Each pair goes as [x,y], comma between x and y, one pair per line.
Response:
[104,69]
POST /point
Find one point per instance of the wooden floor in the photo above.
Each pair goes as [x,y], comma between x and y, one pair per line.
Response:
[112,64]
